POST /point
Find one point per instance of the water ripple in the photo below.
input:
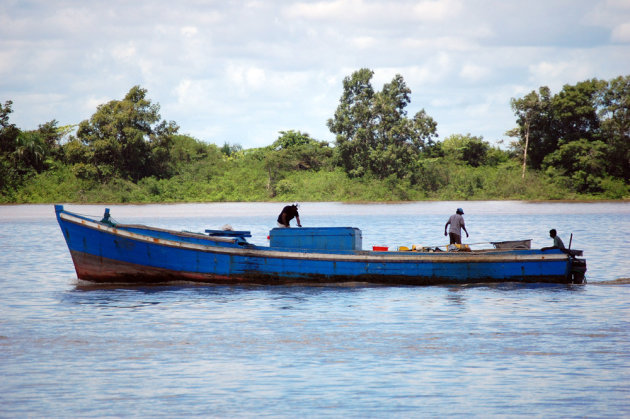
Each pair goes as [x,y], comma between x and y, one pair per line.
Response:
[74,349]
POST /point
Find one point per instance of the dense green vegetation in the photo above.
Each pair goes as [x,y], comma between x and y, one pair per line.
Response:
[571,145]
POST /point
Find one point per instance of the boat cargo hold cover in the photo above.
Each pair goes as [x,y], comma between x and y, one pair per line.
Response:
[317,238]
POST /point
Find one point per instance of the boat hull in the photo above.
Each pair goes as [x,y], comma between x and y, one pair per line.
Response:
[138,254]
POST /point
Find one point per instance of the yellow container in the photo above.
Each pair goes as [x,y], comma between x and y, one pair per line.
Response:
[458,247]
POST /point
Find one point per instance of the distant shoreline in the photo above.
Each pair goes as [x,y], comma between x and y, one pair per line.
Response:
[359,202]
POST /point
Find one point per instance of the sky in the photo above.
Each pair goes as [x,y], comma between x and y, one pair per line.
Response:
[239,72]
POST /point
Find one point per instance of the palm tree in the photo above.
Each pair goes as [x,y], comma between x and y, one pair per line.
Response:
[30,151]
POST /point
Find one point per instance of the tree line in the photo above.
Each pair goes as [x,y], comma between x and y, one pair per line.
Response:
[581,134]
[574,144]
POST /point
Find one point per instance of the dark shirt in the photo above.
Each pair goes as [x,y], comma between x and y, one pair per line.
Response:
[290,211]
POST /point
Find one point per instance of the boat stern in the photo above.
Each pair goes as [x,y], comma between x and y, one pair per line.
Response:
[578,271]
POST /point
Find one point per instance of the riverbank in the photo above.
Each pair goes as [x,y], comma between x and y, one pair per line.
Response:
[240,184]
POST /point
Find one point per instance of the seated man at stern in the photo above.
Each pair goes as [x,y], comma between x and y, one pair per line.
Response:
[557,241]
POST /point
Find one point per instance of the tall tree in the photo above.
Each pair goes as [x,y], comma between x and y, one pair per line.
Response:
[373,133]
[9,176]
[30,152]
[353,122]
[582,132]
[581,161]
[125,138]
[293,150]
[615,117]
[575,111]
[535,119]
[466,148]
[8,131]
[292,138]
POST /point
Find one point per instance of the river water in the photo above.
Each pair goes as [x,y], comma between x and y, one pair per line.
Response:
[71,349]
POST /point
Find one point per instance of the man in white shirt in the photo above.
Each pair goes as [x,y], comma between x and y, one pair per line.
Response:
[457,224]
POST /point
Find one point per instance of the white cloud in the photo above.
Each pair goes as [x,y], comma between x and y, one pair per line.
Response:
[242,70]
[246,78]
[436,10]
[338,9]
[430,43]
[91,103]
[195,94]
[365,11]
[255,77]
[7,61]
[555,74]
[364,42]
[474,72]
[621,33]
[124,52]
[618,4]
[189,31]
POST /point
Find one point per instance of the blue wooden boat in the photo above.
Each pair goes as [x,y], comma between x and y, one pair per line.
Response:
[106,252]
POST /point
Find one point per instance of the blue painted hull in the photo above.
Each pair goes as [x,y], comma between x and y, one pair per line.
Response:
[139,254]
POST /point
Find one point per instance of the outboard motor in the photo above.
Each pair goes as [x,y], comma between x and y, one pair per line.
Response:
[578,269]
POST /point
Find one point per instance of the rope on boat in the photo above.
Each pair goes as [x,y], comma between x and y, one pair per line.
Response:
[87,215]
[437,247]
[97,217]
[469,244]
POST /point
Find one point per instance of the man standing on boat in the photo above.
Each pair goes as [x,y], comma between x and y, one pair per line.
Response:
[457,224]
[288,213]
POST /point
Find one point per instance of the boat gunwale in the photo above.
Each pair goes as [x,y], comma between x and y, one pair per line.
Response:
[251,250]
